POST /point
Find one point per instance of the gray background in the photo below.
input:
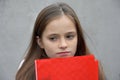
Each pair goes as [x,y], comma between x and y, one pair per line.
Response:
[99,18]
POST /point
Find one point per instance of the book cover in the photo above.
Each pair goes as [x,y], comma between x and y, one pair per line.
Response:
[70,68]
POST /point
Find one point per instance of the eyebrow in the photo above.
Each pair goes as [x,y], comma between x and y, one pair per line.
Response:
[72,32]
[52,34]
[55,34]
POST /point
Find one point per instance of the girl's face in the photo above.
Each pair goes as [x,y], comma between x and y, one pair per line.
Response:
[59,38]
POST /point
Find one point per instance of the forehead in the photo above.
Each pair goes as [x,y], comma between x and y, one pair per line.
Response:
[60,24]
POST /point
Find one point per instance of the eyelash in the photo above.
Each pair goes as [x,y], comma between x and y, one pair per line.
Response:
[68,37]
[53,38]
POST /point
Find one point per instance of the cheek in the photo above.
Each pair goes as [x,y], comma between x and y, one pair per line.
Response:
[50,51]
[74,44]
[49,48]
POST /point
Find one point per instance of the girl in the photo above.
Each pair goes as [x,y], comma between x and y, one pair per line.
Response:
[57,33]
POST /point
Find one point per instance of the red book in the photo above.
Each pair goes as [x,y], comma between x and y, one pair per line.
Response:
[70,68]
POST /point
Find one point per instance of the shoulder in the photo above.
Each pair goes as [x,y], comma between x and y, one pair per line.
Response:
[101,71]
[21,63]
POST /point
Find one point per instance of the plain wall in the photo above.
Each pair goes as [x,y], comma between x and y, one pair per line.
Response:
[100,20]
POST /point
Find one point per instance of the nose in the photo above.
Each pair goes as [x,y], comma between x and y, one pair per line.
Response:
[63,44]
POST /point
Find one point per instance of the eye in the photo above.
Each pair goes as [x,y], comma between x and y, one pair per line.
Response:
[70,36]
[53,38]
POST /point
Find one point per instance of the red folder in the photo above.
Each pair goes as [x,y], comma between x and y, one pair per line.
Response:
[71,68]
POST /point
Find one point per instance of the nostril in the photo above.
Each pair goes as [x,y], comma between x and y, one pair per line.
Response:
[62,45]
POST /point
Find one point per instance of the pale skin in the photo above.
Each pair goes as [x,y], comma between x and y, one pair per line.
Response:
[59,38]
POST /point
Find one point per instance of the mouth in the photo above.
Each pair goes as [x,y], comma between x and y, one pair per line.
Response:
[62,54]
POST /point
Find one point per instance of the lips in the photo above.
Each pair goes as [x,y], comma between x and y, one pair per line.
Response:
[63,53]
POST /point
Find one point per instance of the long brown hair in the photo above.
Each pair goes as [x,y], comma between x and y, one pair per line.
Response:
[27,70]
